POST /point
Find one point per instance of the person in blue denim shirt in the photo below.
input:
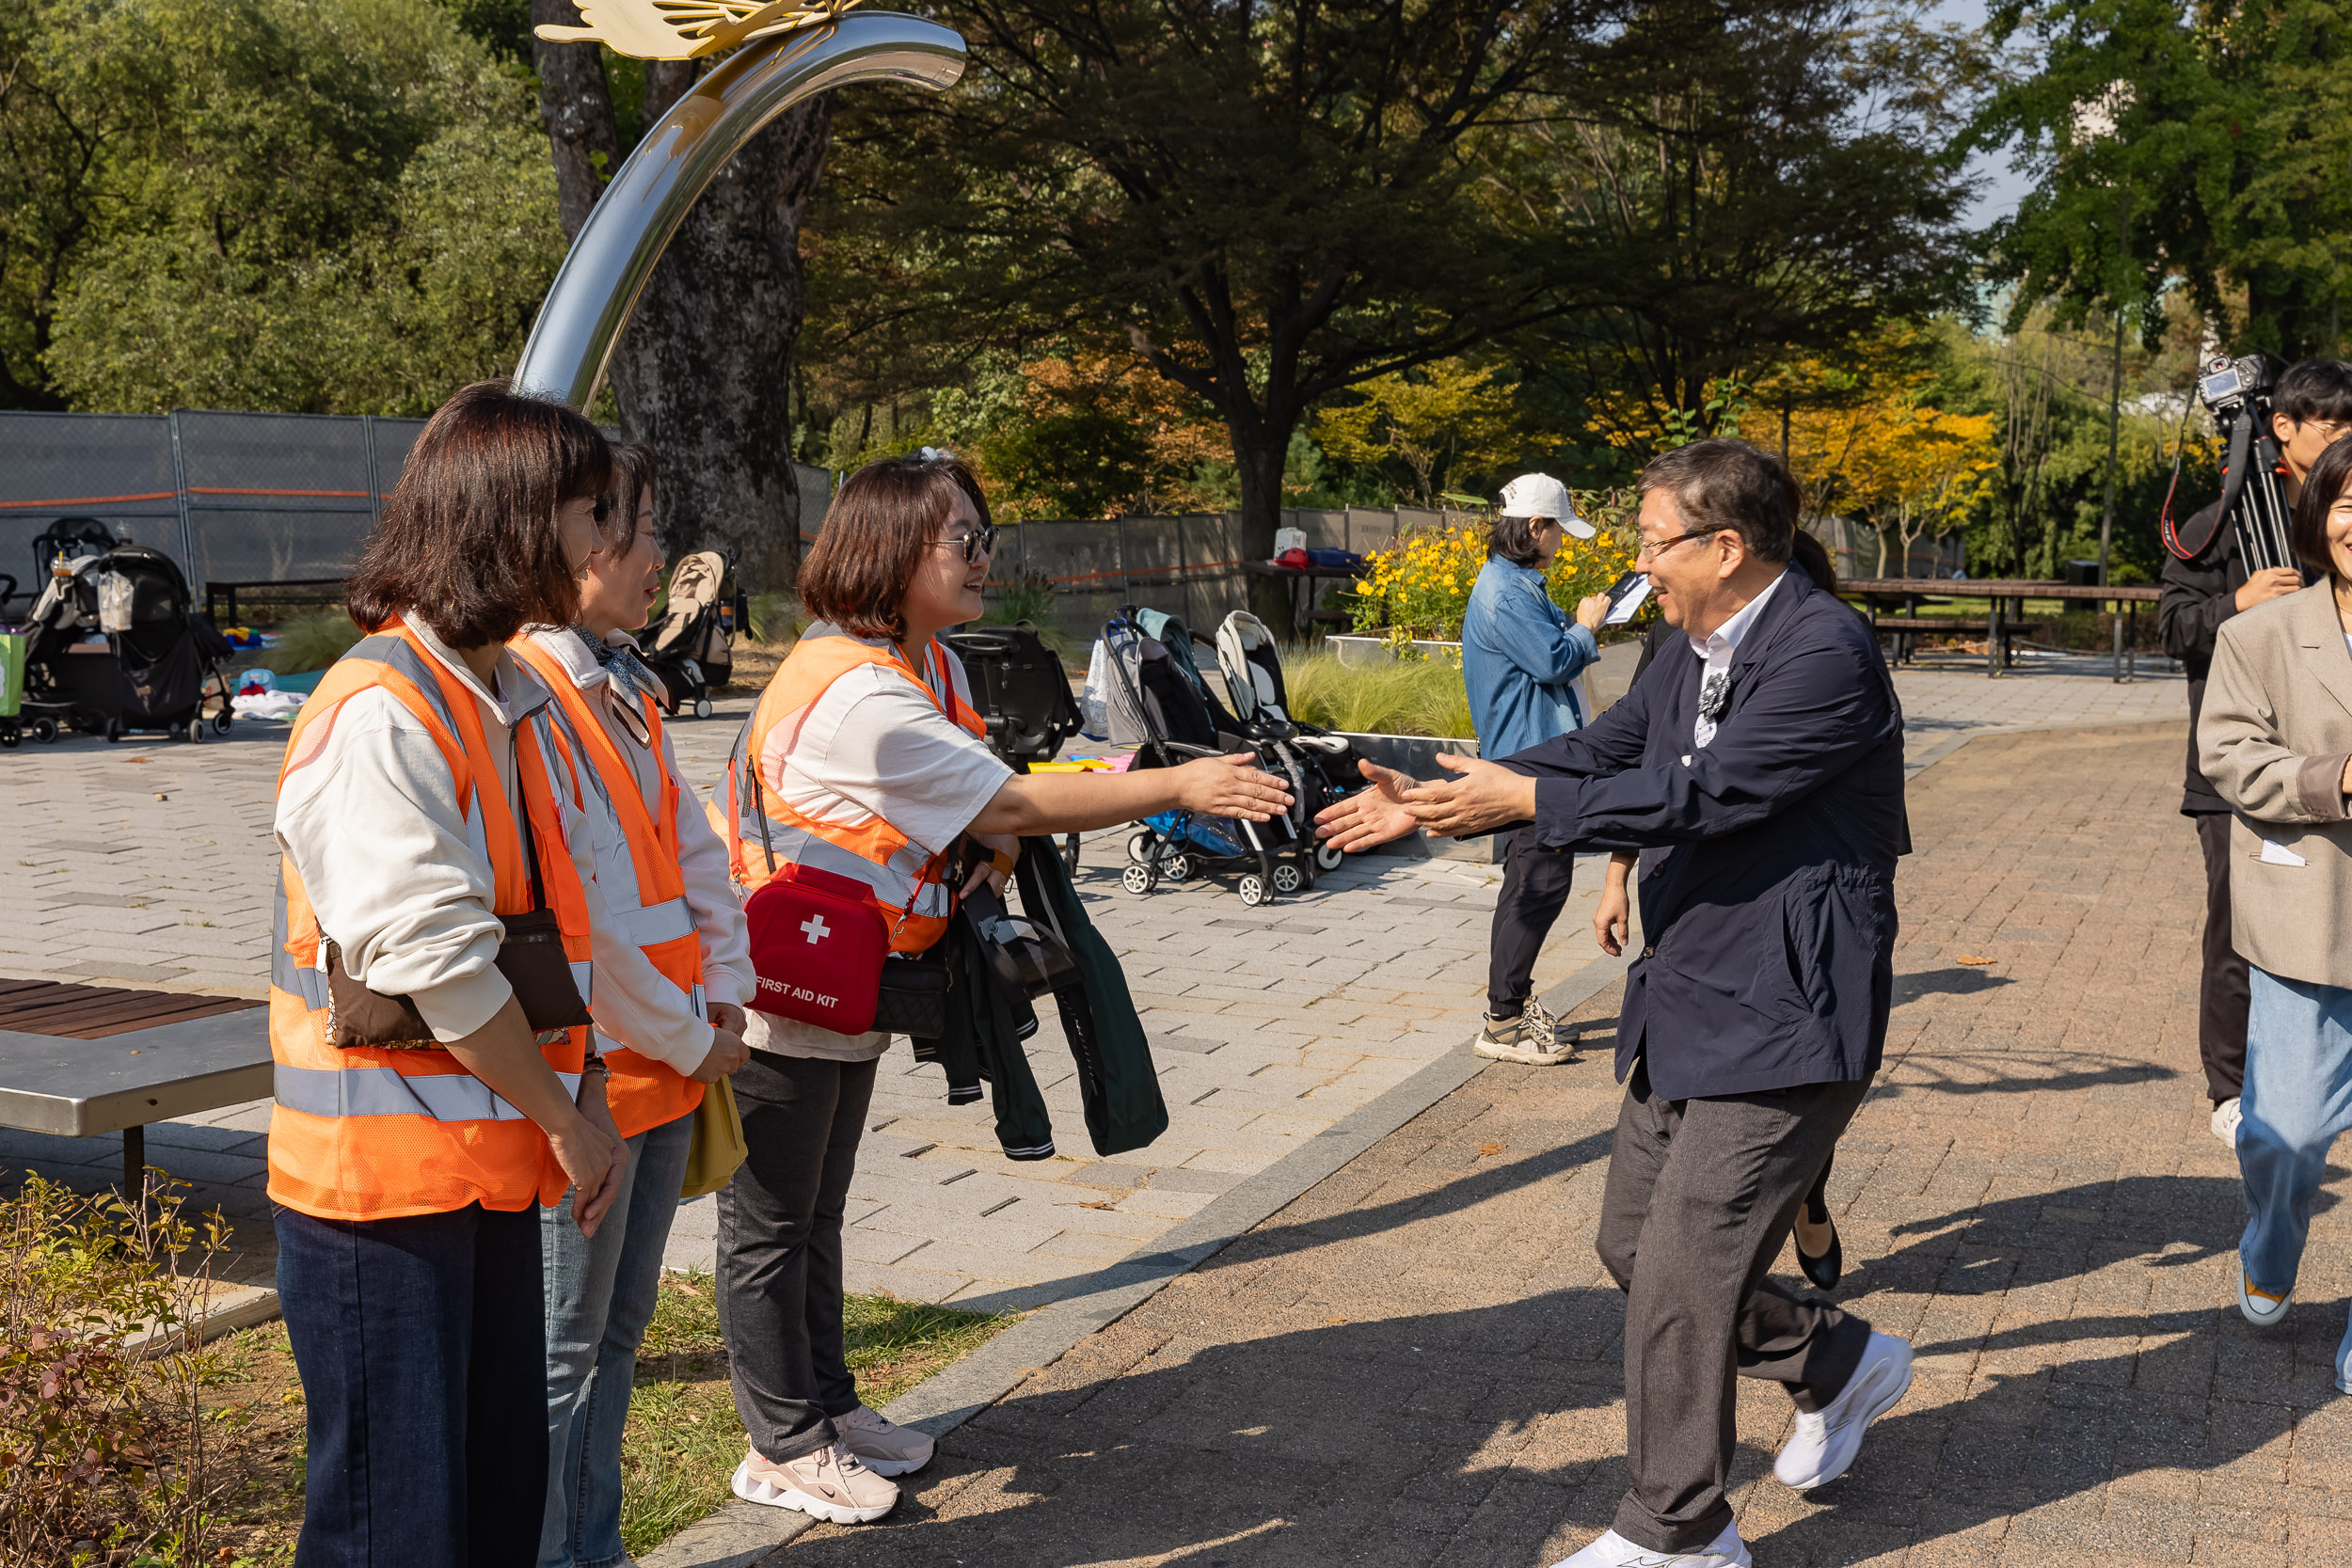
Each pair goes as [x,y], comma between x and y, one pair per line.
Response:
[1520,658]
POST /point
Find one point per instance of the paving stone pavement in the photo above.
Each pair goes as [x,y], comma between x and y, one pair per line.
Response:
[1268,1025]
[1419,1361]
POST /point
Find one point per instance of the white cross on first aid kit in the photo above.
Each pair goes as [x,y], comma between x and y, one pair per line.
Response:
[816,928]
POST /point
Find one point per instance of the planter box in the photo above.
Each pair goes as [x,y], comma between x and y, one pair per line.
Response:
[1374,650]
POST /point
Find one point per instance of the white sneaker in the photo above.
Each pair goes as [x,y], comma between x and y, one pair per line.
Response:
[882,1445]
[1532,1038]
[1614,1551]
[2261,1308]
[2226,1116]
[829,1484]
[1826,1441]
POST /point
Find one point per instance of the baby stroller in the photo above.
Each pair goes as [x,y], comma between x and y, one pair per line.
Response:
[117,647]
[1162,706]
[1018,687]
[693,647]
[1252,667]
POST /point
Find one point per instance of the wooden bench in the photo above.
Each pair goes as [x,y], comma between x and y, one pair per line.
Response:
[79,1061]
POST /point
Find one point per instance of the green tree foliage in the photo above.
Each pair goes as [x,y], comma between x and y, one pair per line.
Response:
[2207,145]
[321,205]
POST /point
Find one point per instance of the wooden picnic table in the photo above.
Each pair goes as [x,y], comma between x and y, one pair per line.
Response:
[83,1060]
[1913,592]
[1302,580]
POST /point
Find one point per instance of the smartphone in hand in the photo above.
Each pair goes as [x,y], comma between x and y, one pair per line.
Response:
[1626,595]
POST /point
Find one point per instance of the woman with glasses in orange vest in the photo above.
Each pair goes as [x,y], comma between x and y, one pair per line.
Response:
[868,761]
[674,988]
[434,1087]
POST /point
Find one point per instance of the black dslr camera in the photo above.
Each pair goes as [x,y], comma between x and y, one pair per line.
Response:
[2236,392]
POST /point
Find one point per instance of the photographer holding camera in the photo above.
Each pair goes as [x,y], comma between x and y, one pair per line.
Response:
[2207,580]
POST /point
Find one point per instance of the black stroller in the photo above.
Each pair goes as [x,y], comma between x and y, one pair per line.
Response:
[118,648]
[1160,702]
[1018,687]
[692,646]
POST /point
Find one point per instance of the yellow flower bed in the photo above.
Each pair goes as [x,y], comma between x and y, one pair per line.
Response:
[1420,587]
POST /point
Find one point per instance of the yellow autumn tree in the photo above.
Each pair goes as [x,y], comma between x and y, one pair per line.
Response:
[1426,429]
[1914,471]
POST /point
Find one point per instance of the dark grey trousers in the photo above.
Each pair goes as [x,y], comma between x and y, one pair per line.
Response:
[780,1248]
[2224,992]
[1701,1194]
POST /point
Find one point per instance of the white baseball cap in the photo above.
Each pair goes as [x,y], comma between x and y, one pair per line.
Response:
[1542,496]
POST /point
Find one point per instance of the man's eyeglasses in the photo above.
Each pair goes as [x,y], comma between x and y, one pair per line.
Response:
[980,542]
[1651,550]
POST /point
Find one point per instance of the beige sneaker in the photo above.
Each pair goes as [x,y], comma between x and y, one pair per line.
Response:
[1532,1038]
[885,1447]
[829,1484]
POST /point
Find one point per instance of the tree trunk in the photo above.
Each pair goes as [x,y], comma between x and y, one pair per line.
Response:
[577,104]
[702,374]
[1258,453]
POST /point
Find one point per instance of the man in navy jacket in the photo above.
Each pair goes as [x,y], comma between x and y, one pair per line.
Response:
[1762,781]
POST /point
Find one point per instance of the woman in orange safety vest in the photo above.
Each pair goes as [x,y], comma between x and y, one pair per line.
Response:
[866,759]
[669,1013]
[427,807]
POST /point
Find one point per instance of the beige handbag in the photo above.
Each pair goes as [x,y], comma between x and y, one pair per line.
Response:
[718,1147]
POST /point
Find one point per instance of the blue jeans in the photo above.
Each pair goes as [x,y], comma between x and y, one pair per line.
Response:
[600,1297]
[420,1341]
[2297,1097]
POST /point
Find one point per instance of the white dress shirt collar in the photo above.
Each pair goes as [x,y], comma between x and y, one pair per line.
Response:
[1727,637]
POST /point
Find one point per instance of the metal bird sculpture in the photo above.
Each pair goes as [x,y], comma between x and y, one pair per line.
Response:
[688,29]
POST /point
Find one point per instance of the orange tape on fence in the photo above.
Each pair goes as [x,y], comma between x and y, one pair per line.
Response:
[217,490]
[98,500]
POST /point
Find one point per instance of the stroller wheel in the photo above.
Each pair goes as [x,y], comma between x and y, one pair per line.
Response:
[1288,878]
[1139,846]
[1253,890]
[1328,855]
[11,738]
[1176,868]
[1138,879]
[221,722]
[1070,853]
[114,731]
[46,731]
[702,707]
[195,730]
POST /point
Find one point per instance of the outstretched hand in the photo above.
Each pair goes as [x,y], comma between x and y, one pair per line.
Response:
[1370,816]
[1482,797]
[1231,786]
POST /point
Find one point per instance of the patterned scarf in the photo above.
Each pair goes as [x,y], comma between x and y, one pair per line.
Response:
[620,661]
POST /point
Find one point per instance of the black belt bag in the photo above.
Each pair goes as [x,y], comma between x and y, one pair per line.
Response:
[913,996]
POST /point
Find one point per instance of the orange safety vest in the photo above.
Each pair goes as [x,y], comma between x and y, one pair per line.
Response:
[910,888]
[374,1133]
[646,893]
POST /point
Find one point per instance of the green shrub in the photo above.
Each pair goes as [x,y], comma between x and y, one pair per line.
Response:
[774,616]
[1403,696]
[102,1431]
[308,642]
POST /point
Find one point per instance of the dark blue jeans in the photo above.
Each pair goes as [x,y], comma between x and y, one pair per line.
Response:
[422,1342]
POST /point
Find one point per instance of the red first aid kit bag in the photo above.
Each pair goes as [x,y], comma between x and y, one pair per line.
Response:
[818,945]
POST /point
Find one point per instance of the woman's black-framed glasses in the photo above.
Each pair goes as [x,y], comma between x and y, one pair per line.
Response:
[980,542]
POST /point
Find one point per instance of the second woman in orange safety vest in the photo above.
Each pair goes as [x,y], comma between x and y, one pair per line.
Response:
[676,989]
[865,759]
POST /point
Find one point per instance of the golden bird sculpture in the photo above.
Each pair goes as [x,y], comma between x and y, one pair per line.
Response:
[688,29]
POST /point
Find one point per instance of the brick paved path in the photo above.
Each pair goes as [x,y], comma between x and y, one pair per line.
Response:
[1418,1362]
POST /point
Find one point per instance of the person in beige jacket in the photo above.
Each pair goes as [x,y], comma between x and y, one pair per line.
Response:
[2275,739]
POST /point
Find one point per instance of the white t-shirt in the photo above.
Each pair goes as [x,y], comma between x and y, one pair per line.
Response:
[877,745]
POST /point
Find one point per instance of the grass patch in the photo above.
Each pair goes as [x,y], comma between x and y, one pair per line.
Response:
[307,642]
[683,1440]
[1405,696]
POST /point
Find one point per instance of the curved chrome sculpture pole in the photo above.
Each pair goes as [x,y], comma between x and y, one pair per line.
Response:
[596,290]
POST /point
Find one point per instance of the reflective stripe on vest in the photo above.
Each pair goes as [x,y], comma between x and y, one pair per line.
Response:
[382,1091]
[908,884]
[373,1133]
[640,878]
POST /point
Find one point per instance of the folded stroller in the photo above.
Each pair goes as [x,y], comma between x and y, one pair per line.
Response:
[1252,667]
[1161,705]
[692,646]
[117,647]
[1018,687]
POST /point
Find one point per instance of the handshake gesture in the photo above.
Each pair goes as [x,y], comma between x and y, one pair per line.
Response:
[1480,797]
